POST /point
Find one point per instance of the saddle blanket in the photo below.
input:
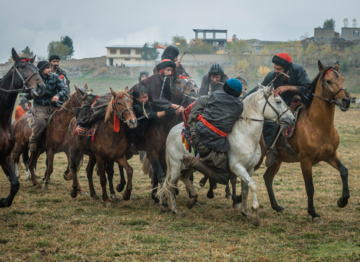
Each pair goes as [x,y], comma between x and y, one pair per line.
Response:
[295,108]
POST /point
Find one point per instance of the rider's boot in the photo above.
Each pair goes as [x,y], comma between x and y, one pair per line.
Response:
[271,157]
[191,162]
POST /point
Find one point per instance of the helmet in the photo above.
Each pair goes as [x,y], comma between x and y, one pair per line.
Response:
[216,69]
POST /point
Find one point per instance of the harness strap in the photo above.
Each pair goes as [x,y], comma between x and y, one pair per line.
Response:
[211,127]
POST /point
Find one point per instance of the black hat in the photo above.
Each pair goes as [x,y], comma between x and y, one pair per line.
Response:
[166,63]
[171,52]
[42,65]
[52,57]
[216,69]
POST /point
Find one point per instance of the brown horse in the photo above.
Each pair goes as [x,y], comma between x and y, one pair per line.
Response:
[55,137]
[315,138]
[109,143]
[22,77]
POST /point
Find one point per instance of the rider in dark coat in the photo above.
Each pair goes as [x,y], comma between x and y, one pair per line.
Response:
[214,124]
[297,84]
[213,80]
[54,61]
[172,53]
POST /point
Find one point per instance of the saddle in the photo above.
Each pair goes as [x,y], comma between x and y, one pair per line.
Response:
[89,133]
[295,108]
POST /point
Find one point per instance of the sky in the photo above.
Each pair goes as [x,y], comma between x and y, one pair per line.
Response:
[93,25]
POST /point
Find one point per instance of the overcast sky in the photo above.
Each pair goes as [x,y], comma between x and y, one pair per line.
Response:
[92,25]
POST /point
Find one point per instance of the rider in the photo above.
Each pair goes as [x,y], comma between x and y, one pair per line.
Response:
[172,53]
[209,133]
[55,90]
[55,68]
[24,106]
[297,83]
[143,75]
[159,85]
[213,80]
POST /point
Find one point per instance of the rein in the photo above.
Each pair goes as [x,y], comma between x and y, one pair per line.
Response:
[24,87]
[120,115]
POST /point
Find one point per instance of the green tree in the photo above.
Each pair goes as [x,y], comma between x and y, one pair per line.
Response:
[66,40]
[27,52]
[58,48]
[180,42]
[197,46]
[237,50]
[329,24]
[310,53]
[149,53]
[346,22]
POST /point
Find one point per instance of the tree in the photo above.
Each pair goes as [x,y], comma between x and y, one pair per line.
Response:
[27,52]
[237,50]
[58,48]
[262,72]
[180,42]
[149,53]
[354,22]
[346,22]
[197,46]
[329,24]
[66,40]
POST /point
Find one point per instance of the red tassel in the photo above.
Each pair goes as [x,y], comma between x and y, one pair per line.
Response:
[75,132]
[92,139]
[116,123]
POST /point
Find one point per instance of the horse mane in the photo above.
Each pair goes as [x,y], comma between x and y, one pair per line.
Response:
[67,102]
[250,105]
[109,108]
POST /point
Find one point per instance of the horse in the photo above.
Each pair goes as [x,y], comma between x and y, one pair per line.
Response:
[244,154]
[55,136]
[23,76]
[315,138]
[109,144]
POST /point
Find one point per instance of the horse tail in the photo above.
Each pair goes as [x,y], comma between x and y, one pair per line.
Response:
[146,165]
[166,185]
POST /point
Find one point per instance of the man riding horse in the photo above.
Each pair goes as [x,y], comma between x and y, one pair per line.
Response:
[55,90]
[213,80]
[172,53]
[55,68]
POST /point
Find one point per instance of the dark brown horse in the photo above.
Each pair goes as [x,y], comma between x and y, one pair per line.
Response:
[55,138]
[315,138]
[109,145]
[22,77]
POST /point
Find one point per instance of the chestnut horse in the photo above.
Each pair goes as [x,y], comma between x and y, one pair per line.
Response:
[55,137]
[315,138]
[109,143]
[22,77]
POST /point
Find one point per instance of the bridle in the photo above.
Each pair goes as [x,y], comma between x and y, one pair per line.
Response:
[116,111]
[24,81]
[332,95]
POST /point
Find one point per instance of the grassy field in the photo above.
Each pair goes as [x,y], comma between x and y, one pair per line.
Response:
[51,226]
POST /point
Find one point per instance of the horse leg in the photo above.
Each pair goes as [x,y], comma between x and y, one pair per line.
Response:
[49,167]
[210,194]
[190,187]
[109,169]
[15,158]
[75,159]
[306,167]
[32,161]
[203,181]
[67,174]
[268,178]
[46,163]
[120,187]
[158,177]
[129,172]
[227,190]
[8,168]
[101,172]
[236,199]
[336,163]
[89,173]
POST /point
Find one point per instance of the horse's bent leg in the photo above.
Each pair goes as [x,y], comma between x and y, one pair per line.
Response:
[120,187]
[32,163]
[268,178]
[109,169]
[129,172]
[236,199]
[49,167]
[190,187]
[203,181]
[67,173]
[75,159]
[306,167]
[89,173]
[8,168]
[336,163]
[212,185]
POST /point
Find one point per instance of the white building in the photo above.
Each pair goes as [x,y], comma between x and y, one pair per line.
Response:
[126,55]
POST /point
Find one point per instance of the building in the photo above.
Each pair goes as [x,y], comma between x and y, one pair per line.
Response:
[209,36]
[350,33]
[126,55]
[324,34]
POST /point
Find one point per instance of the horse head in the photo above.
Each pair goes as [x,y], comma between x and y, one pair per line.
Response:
[185,90]
[275,108]
[26,77]
[123,107]
[332,86]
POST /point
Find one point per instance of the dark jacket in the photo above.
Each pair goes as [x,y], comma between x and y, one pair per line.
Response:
[179,71]
[54,86]
[298,78]
[205,84]
[154,85]
[222,111]
[144,122]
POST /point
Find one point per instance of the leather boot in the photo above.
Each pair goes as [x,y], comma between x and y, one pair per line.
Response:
[192,162]
[271,158]
[33,147]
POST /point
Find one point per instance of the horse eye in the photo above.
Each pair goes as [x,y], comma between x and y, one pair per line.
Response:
[278,102]
[328,82]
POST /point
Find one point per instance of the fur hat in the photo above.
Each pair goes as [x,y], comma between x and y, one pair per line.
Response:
[284,60]
[42,65]
[52,57]
[233,87]
[165,63]
[171,52]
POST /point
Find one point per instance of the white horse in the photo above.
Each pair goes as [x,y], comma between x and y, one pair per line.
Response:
[244,151]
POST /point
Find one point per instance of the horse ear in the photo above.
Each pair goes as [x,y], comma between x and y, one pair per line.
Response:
[267,90]
[15,56]
[337,66]
[127,89]
[77,89]
[260,86]
[113,92]
[321,66]
[32,59]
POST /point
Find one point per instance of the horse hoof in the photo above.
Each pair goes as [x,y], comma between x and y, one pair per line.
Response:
[236,205]
[67,177]
[163,208]
[279,209]
[197,204]
[317,220]
[341,203]
[120,187]
[126,195]
[37,186]
[191,203]
[83,193]
[244,213]
[228,196]
[202,182]
[210,194]
[255,221]
[73,193]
